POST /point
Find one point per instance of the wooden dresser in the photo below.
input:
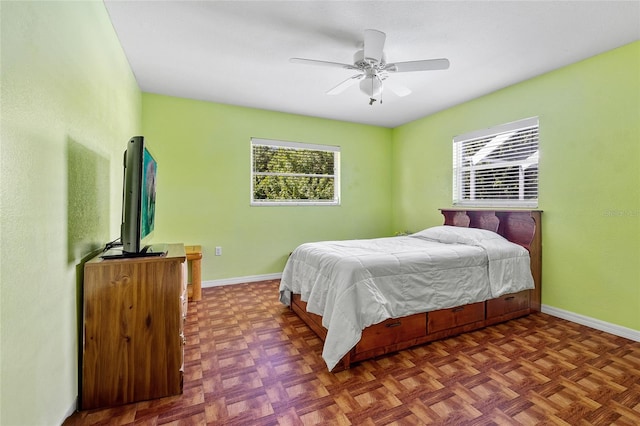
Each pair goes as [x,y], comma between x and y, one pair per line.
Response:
[132,328]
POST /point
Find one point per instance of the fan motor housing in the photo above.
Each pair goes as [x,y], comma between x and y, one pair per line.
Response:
[360,61]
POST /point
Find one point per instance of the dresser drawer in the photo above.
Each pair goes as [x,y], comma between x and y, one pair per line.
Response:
[453,317]
[392,331]
[508,303]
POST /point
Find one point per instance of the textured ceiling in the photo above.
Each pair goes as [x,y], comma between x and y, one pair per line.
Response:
[237,52]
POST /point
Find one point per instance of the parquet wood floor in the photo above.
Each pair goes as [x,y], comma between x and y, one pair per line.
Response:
[250,361]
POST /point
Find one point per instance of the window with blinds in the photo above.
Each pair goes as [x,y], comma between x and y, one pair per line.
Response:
[285,173]
[497,167]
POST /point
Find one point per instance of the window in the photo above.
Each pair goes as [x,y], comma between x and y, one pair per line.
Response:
[294,173]
[497,166]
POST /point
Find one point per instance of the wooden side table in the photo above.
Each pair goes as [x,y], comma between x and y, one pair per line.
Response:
[194,258]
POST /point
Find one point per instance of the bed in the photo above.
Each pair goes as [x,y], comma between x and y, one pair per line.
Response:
[366,298]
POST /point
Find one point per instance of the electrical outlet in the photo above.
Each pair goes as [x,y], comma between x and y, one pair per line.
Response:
[218,251]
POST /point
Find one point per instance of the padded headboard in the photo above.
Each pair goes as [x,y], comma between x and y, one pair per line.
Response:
[519,226]
[523,227]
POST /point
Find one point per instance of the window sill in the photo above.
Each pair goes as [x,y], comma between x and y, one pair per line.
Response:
[293,203]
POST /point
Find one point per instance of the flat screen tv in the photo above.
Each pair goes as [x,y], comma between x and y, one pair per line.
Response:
[138,198]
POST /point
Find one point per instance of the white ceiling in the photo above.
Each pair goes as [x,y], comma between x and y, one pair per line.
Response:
[237,52]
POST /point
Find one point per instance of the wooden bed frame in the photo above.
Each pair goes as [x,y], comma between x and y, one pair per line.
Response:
[522,227]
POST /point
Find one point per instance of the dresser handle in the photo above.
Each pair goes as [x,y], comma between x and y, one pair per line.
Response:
[393,324]
[506,299]
[458,309]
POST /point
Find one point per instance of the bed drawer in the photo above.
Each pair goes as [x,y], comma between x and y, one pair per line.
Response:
[392,331]
[302,310]
[508,303]
[454,317]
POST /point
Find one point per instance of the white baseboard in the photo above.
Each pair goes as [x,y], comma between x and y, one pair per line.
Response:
[70,410]
[607,327]
[240,280]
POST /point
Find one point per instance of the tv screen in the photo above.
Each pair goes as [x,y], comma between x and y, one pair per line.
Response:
[139,197]
[148,202]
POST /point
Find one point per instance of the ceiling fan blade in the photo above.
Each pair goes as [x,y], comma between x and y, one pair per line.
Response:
[345,84]
[322,63]
[397,88]
[374,44]
[425,65]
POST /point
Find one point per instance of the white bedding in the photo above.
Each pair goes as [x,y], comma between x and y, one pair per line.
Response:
[357,283]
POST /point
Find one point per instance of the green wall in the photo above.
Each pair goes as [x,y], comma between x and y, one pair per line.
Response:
[203,153]
[589,177]
[69,104]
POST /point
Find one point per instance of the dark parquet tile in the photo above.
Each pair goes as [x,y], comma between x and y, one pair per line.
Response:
[250,361]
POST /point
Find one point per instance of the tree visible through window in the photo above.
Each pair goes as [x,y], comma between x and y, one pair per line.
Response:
[497,166]
[291,172]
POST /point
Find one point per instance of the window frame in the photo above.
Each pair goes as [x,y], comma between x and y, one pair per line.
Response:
[493,136]
[297,146]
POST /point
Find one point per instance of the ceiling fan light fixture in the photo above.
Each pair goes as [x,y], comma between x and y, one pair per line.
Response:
[371,86]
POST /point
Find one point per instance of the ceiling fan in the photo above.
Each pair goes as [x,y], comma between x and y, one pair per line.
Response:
[372,68]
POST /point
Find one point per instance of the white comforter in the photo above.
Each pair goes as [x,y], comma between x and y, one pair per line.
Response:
[357,283]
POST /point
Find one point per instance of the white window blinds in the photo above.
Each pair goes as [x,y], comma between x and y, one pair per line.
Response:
[498,166]
[294,173]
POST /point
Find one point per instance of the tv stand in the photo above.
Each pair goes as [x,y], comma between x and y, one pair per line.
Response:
[155,250]
[152,250]
[133,312]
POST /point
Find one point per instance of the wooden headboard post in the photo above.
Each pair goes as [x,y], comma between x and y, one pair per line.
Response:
[523,227]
